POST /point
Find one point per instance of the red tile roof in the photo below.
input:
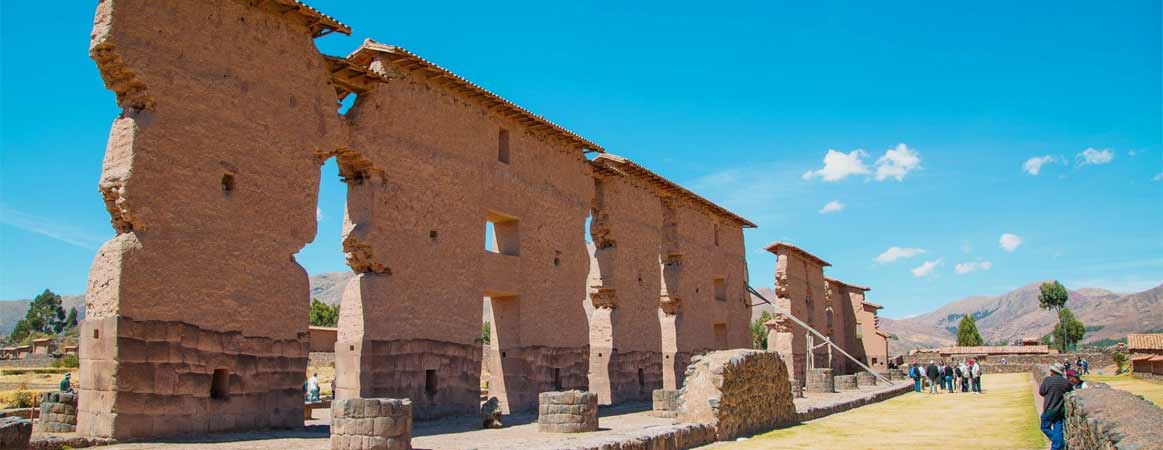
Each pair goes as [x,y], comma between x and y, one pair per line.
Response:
[1145,341]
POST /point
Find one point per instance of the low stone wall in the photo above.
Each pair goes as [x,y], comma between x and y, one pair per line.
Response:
[52,442]
[15,432]
[567,412]
[817,412]
[665,403]
[865,379]
[820,380]
[321,359]
[32,361]
[1016,363]
[1104,418]
[371,424]
[738,392]
[1038,371]
[1153,377]
[58,412]
[845,382]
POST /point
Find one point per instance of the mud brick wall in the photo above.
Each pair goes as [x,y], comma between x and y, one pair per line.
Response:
[420,192]
[845,382]
[799,289]
[738,392]
[567,412]
[210,178]
[665,402]
[371,424]
[820,380]
[58,412]
[625,335]
[1108,419]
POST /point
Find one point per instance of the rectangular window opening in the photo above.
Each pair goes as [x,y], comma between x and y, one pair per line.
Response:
[720,288]
[220,385]
[557,379]
[502,234]
[641,380]
[503,146]
[430,382]
[716,235]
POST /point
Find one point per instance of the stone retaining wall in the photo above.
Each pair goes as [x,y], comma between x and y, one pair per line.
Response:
[567,412]
[738,392]
[817,412]
[845,382]
[58,412]
[865,379]
[1109,419]
[820,380]
[665,403]
[371,424]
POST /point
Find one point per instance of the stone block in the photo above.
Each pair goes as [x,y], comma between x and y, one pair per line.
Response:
[567,412]
[371,423]
[737,392]
[845,382]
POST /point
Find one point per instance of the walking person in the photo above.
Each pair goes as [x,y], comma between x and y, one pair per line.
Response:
[932,373]
[313,387]
[1085,367]
[1053,389]
[915,374]
[964,369]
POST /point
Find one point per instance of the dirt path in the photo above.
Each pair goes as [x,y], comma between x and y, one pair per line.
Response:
[1001,418]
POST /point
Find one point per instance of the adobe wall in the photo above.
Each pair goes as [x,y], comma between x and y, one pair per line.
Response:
[625,335]
[799,288]
[874,345]
[415,233]
[843,326]
[211,177]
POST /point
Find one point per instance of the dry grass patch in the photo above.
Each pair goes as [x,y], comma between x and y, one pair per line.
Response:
[1149,390]
[1003,417]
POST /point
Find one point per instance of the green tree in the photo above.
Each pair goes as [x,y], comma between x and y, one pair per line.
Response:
[759,331]
[1053,296]
[1070,329]
[323,315]
[71,321]
[486,333]
[967,334]
[45,315]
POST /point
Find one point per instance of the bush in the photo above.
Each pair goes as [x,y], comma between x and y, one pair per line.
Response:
[67,361]
[1121,359]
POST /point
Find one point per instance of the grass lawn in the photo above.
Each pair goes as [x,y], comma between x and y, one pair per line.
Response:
[1150,391]
[1003,417]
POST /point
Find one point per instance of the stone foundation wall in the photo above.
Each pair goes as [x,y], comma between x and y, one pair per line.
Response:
[371,424]
[1109,419]
[529,371]
[845,382]
[151,378]
[1015,363]
[58,412]
[865,379]
[820,380]
[400,369]
[665,402]
[738,392]
[567,412]
[321,359]
[624,379]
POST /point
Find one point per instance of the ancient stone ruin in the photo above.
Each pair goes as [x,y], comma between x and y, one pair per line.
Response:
[197,309]
[738,392]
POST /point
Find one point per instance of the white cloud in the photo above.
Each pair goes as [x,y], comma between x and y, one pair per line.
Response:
[1131,152]
[832,206]
[895,253]
[318,214]
[1033,166]
[966,267]
[897,162]
[49,228]
[926,268]
[1010,242]
[1091,156]
[839,165]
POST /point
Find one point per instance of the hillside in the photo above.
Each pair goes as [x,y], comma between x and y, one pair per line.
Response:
[1015,314]
[12,311]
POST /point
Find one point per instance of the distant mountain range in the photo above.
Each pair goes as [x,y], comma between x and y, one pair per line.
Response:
[1010,316]
[1015,315]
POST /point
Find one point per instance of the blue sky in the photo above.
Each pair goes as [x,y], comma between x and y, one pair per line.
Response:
[743,103]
